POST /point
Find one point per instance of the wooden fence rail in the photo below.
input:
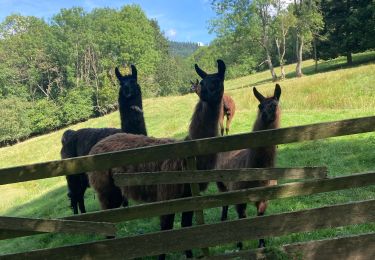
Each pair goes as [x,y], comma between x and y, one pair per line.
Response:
[212,234]
[57,225]
[187,149]
[358,247]
[251,174]
[218,200]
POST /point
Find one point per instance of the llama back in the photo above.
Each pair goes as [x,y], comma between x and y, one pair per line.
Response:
[148,193]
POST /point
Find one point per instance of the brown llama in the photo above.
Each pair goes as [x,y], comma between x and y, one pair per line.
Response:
[261,157]
[203,124]
[229,108]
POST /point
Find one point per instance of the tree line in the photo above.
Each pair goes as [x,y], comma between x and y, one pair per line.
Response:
[60,72]
[255,35]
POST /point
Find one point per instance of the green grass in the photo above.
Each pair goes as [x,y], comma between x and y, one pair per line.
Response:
[336,92]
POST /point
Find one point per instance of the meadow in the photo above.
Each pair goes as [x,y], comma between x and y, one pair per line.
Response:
[336,92]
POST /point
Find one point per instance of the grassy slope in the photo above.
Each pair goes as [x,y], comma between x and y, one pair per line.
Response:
[331,95]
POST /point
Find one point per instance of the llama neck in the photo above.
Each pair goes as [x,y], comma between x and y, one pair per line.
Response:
[132,119]
[261,157]
[204,124]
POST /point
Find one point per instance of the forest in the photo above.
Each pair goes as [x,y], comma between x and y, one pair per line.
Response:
[56,73]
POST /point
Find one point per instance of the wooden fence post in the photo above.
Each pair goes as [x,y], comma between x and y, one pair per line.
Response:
[191,165]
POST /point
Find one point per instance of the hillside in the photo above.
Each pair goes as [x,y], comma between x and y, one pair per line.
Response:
[336,93]
[182,49]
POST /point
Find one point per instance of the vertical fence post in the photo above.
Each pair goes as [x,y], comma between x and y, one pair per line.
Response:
[191,165]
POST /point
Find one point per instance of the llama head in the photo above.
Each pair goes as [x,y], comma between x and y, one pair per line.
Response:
[195,87]
[129,87]
[269,106]
[212,85]
[68,141]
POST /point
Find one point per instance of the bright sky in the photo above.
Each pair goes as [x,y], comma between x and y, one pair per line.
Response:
[181,20]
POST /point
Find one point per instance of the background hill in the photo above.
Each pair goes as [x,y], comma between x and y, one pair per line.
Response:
[339,92]
[182,49]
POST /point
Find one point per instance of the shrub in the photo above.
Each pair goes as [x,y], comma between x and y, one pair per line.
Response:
[76,105]
[14,121]
[44,116]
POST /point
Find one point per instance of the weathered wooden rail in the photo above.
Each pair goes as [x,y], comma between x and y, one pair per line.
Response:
[57,225]
[212,234]
[186,149]
[204,235]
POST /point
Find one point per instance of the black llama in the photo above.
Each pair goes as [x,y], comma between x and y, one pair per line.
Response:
[80,142]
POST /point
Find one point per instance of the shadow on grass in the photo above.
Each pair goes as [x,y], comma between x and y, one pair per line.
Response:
[53,204]
[336,64]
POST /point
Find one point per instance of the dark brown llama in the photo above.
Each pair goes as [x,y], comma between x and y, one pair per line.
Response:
[203,124]
[80,142]
[229,108]
[261,157]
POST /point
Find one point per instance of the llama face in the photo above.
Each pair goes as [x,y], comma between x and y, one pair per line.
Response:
[268,107]
[195,87]
[212,85]
[129,87]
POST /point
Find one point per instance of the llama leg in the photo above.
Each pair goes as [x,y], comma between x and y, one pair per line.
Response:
[261,208]
[229,120]
[73,202]
[81,204]
[187,221]
[111,198]
[125,202]
[241,212]
[166,223]
[221,123]
[224,211]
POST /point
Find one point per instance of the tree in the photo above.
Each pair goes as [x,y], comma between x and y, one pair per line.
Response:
[283,21]
[349,28]
[309,20]
[246,21]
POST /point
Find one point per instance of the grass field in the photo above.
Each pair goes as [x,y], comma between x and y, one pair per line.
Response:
[336,92]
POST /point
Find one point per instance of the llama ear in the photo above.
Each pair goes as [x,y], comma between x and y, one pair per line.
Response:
[221,69]
[277,92]
[197,82]
[259,96]
[134,71]
[200,72]
[118,73]
[68,136]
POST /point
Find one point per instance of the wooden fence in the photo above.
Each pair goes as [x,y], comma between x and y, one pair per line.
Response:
[206,235]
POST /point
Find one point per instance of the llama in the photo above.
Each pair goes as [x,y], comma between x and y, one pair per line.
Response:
[203,124]
[229,108]
[130,103]
[80,142]
[261,157]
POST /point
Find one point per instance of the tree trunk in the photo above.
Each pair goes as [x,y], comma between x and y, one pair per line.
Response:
[281,57]
[349,58]
[315,56]
[282,71]
[299,56]
[270,66]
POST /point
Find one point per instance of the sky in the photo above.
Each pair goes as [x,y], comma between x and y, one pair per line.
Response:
[181,20]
